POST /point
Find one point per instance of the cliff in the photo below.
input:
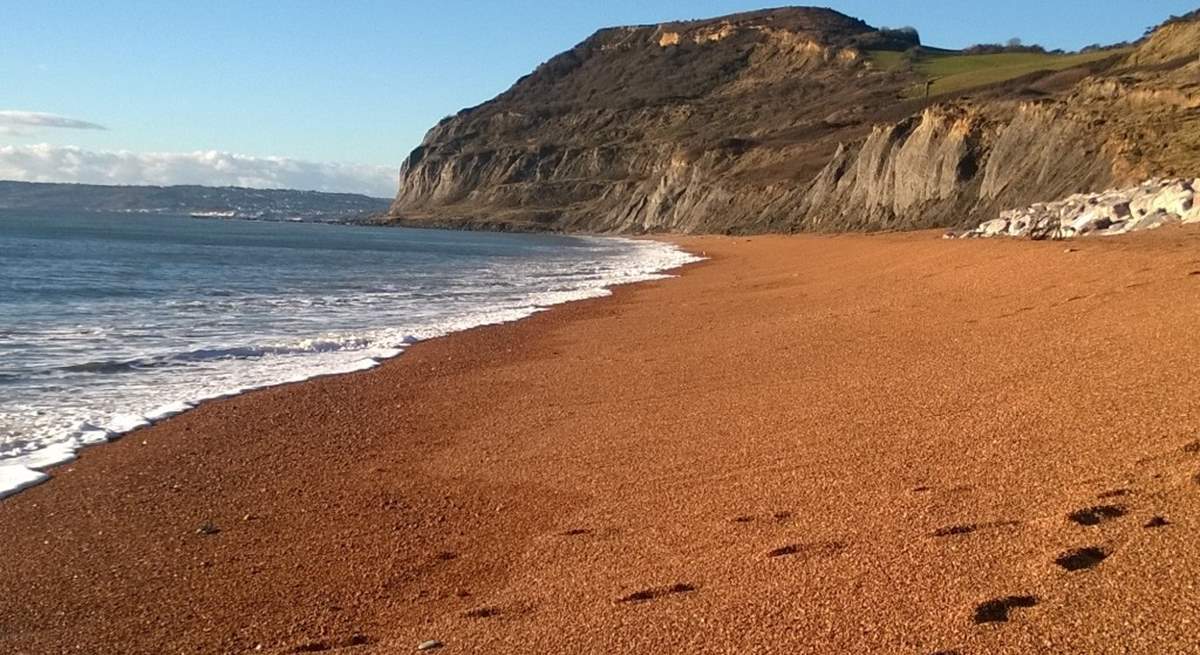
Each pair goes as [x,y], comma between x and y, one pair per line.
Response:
[798,119]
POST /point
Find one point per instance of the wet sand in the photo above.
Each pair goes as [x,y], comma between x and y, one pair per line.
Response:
[891,444]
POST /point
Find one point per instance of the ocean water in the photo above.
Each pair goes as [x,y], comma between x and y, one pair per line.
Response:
[110,322]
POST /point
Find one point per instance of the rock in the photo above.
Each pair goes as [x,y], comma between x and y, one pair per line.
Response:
[432,644]
[1114,197]
[1119,227]
[1068,211]
[1139,204]
[1174,199]
[993,227]
[1090,221]
[1045,228]
[1020,221]
[1117,208]
[1019,224]
[1192,215]
[1154,221]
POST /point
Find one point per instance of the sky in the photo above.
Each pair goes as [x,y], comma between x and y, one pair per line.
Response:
[333,95]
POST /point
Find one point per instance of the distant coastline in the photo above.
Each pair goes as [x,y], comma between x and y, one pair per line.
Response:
[193,200]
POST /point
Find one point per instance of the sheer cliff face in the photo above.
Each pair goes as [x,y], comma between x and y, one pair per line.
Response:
[767,121]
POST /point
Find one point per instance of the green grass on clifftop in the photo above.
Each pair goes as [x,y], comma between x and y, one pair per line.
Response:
[952,72]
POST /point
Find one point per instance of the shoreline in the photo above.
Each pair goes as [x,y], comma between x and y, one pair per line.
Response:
[25,471]
[761,451]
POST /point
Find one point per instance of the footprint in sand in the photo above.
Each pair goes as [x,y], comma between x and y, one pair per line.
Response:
[1096,514]
[778,517]
[952,530]
[824,549]
[784,551]
[655,593]
[1082,559]
[997,609]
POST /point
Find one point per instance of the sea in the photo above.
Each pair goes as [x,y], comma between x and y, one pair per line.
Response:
[110,322]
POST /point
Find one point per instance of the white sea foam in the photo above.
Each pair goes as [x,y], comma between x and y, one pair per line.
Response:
[496,293]
[168,410]
[14,478]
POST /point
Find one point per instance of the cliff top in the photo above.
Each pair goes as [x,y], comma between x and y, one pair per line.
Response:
[672,62]
[1175,39]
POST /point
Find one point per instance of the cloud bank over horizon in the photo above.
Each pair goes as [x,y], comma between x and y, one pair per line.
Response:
[44,162]
[23,123]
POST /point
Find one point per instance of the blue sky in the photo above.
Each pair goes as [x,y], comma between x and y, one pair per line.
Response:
[360,82]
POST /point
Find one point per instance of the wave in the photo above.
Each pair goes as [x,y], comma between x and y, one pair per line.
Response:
[224,370]
[301,347]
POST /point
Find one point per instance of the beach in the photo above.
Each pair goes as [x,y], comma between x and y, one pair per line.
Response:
[809,444]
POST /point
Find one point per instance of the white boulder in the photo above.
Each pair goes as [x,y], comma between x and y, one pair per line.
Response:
[1090,221]
[993,227]
[1154,221]
[1174,199]
[1119,227]
[1141,200]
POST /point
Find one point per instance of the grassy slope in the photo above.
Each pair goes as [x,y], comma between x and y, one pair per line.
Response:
[952,72]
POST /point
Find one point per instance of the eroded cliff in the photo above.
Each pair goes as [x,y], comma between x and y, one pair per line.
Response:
[782,120]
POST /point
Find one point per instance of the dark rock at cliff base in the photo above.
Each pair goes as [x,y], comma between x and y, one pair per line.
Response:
[792,120]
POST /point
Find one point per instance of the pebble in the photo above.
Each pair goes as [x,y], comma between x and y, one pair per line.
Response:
[432,644]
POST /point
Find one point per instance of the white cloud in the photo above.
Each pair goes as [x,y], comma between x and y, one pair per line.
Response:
[21,123]
[51,163]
